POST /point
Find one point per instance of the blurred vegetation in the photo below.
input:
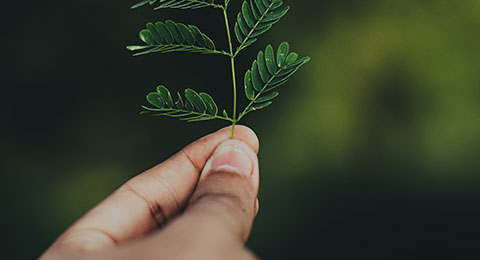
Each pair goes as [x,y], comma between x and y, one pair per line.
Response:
[376,154]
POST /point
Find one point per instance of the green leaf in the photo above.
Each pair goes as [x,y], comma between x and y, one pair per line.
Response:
[166,34]
[270,59]
[238,33]
[208,42]
[276,14]
[138,48]
[259,106]
[244,29]
[291,58]
[155,99]
[169,36]
[156,34]
[212,108]
[262,67]
[256,13]
[196,107]
[262,106]
[256,18]
[174,31]
[195,100]
[260,6]
[142,3]
[247,14]
[267,97]
[268,73]
[147,37]
[197,34]
[282,53]
[165,95]
[256,79]
[178,4]
[186,33]
[249,90]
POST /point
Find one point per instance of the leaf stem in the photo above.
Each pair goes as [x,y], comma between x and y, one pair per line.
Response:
[168,48]
[167,111]
[232,61]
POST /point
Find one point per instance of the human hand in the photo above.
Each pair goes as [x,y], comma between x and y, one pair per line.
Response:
[198,204]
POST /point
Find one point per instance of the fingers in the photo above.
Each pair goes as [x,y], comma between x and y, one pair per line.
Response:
[151,197]
[219,216]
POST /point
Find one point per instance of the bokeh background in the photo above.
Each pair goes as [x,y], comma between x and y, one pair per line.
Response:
[372,150]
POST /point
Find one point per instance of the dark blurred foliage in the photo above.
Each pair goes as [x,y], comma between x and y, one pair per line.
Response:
[376,153]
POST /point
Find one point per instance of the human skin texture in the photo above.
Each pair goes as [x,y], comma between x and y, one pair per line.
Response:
[198,204]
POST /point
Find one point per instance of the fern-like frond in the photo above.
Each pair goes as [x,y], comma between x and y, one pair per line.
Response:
[256,18]
[178,4]
[268,72]
[169,36]
[193,108]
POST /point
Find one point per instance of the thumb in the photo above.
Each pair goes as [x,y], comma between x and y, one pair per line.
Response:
[227,190]
[223,205]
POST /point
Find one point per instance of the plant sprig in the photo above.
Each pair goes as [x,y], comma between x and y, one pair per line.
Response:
[269,70]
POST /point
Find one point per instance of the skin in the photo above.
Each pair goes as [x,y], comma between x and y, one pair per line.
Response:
[198,204]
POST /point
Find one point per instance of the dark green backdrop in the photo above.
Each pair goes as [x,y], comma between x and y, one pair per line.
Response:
[375,152]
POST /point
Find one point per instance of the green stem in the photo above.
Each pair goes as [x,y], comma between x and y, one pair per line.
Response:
[232,60]
[174,112]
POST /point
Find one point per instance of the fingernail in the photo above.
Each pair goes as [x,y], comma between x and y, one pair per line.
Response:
[227,157]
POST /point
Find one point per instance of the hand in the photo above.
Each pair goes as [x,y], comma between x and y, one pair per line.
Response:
[198,204]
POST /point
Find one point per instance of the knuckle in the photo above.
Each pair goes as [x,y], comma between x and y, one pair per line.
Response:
[155,208]
[228,201]
[227,174]
[230,190]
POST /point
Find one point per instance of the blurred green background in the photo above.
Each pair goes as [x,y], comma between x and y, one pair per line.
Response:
[371,150]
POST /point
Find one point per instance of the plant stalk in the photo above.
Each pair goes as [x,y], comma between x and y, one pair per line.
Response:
[234,79]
